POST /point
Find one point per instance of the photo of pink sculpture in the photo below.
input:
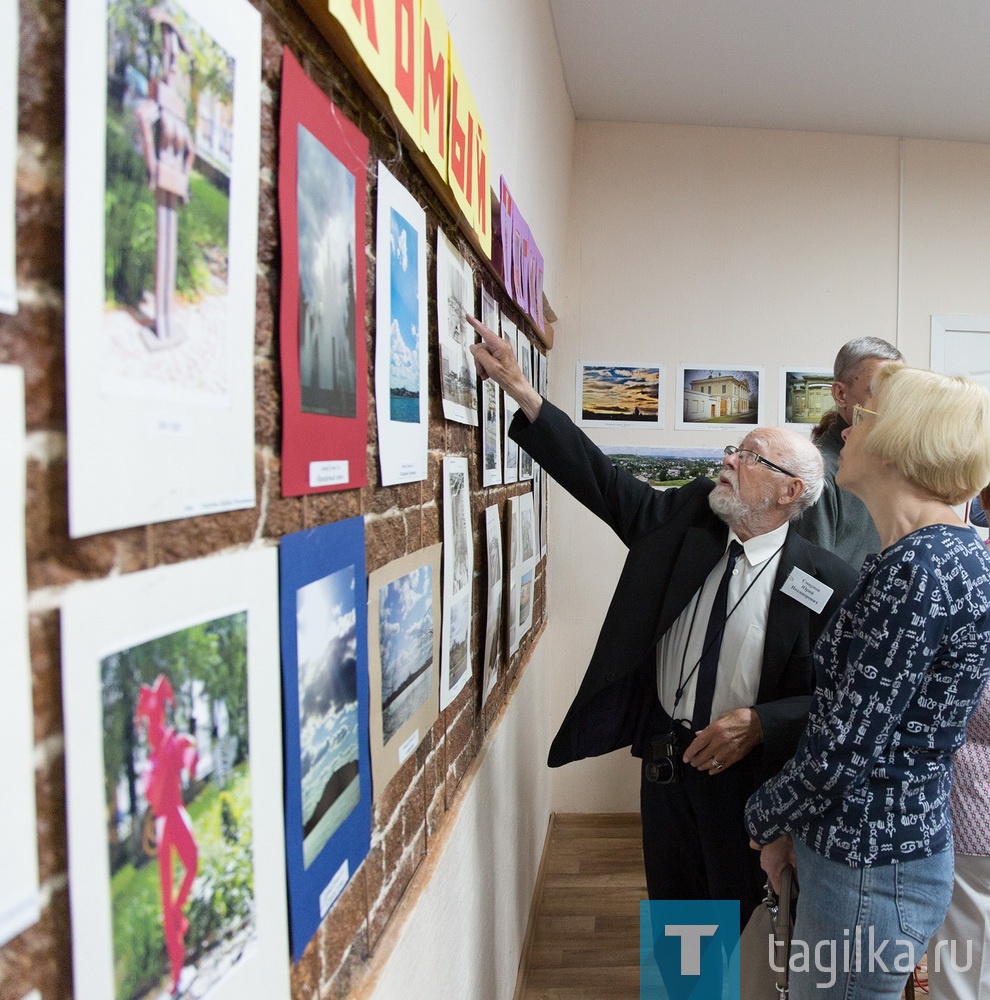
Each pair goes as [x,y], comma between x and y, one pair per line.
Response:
[171,754]
[177,776]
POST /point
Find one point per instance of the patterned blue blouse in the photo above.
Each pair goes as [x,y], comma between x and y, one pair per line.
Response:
[899,670]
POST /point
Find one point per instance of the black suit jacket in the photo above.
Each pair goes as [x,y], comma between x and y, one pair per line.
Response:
[674,541]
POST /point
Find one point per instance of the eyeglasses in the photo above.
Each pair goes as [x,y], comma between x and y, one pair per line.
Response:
[747,457]
[858,414]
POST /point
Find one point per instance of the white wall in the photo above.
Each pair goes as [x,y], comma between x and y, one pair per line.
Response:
[696,245]
[465,934]
[945,262]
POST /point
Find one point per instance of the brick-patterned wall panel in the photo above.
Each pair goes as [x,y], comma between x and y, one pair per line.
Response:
[412,813]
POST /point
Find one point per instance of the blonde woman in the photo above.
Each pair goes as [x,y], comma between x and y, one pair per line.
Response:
[863,806]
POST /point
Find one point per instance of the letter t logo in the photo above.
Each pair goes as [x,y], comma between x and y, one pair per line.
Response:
[690,935]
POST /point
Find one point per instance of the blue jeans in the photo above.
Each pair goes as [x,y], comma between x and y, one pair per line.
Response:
[860,931]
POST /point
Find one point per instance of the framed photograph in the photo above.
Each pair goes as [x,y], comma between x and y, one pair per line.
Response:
[619,394]
[9,35]
[401,347]
[322,179]
[491,405]
[19,889]
[493,617]
[325,706]
[174,779]
[455,300]
[514,547]
[161,258]
[523,556]
[526,568]
[525,354]
[805,396]
[510,473]
[665,466]
[458,567]
[711,395]
[404,659]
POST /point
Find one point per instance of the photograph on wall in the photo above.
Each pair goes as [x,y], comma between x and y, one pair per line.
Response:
[325,706]
[718,396]
[455,300]
[526,566]
[458,565]
[403,659]
[491,405]
[174,777]
[540,481]
[401,349]
[321,189]
[19,888]
[9,34]
[664,466]
[162,117]
[525,602]
[618,394]
[510,469]
[805,397]
[493,616]
[524,352]
[514,545]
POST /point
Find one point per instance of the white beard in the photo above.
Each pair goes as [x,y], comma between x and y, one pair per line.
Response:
[725,501]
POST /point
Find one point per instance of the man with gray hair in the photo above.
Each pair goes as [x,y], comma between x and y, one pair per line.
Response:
[703,664]
[839,521]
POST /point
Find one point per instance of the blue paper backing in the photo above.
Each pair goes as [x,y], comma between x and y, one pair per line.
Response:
[304,558]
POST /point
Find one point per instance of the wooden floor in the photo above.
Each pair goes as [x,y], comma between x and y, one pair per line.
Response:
[586,940]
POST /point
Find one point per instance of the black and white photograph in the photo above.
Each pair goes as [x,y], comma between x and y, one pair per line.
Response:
[493,620]
[458,566]
[327,358]
[455,298]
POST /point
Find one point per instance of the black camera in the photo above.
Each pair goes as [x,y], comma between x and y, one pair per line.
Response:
[665,767]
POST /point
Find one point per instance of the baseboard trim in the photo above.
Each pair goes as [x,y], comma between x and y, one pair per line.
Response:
[534,912]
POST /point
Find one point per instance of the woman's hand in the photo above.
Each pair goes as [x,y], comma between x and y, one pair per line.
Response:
[775,856]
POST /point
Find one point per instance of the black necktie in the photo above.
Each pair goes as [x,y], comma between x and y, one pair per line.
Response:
[708,665]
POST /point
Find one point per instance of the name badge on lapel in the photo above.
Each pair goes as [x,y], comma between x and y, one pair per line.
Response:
[807,590]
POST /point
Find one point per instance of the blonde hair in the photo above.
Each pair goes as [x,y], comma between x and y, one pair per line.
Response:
[933,428]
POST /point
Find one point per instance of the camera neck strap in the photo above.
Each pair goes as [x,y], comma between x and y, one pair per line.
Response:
[717,637]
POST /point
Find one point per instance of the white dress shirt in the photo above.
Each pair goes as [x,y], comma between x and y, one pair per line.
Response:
[740,660]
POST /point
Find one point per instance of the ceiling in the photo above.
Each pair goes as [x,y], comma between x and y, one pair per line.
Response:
[911,68]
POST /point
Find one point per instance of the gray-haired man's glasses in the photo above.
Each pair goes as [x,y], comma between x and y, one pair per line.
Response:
[747,457]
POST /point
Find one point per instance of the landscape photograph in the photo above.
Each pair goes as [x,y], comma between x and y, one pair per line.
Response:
[624,393]
[328,706]
[405,636]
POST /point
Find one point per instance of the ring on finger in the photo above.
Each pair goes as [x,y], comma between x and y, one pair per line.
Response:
[717,764]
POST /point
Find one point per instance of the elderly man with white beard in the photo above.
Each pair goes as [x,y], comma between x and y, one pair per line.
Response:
[703,665]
